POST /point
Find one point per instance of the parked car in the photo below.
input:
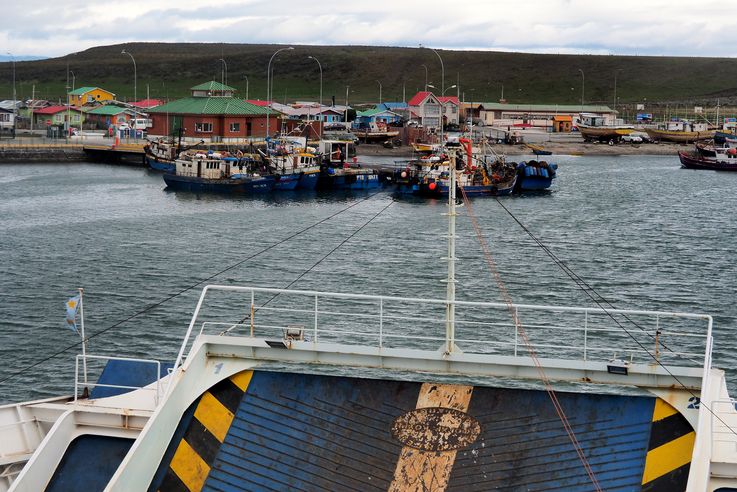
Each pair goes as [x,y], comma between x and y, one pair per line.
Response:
[631,138]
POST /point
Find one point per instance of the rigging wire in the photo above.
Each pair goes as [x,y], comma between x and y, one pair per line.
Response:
[601,306]
[180,292]
[301,275]
[530,348]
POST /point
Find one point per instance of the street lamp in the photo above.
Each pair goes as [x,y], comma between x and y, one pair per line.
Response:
[448,88]
[74,79]
[246,77]
[583,84]
[223,73]
[379,91]
[615,88]
[268,86]
[15,109]
[442,68]
[425,67]
[320,67]
[135,89]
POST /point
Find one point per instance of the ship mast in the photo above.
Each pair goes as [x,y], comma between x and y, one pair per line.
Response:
[451,288]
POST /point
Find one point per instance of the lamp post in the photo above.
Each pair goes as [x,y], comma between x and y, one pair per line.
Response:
[615,88]
[448,88]
[320,113]
[74,79]
[15,109]
[135,89]
[246,77]
[425,67]
[223,73]
[268,86]
[378,82]
[442,68]
[583,84]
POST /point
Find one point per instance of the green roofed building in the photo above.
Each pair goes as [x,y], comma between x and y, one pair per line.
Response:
[212,113]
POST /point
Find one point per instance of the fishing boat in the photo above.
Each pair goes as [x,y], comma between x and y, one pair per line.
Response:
[376,132]
[294,164]
[340,171]
[351,391]
[723,159]
[214,172]
[681,132]
[538,150]
[161,155]
[535,175]
[486,174]
[593,128]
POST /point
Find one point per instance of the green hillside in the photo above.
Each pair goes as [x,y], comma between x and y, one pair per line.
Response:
[166,70]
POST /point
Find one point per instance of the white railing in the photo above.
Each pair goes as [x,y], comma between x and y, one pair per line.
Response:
[723,422]
[85,383]
[572,333]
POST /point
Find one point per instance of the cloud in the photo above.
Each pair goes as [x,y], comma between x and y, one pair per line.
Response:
[655,27]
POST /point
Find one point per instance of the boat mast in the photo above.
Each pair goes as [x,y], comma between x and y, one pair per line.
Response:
[451,288]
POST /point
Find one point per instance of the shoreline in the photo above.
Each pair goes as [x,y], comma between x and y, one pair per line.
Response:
[557,148]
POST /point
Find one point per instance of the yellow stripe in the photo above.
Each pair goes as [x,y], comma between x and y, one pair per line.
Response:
[214,416]
[662,410]
[668,457]
[189,467]
[242,379]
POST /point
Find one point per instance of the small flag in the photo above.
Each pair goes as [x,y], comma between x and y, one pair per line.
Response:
[72,307]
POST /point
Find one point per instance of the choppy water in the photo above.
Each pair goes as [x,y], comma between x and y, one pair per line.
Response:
[644,233]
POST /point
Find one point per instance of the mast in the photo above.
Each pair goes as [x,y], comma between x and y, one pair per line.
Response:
[451,288]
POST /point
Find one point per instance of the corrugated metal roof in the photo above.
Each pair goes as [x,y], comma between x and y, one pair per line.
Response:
[446,99]
[566,108]
[84,90]
[374,112]
[210,105]
[54,110]
[419,97]
[212,86]
[108,110]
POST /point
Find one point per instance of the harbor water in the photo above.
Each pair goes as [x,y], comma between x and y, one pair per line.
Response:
[641,231]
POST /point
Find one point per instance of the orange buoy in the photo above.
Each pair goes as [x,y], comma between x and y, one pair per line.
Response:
[432,186]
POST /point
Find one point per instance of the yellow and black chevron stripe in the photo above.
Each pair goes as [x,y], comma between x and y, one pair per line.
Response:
[200,443]
[669,450]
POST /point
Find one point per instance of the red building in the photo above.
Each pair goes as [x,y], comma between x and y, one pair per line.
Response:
[212,113]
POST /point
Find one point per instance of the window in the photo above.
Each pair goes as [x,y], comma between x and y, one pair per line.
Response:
[203,127]
[235,127]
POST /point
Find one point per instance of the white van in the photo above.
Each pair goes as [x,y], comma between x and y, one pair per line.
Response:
[140,123]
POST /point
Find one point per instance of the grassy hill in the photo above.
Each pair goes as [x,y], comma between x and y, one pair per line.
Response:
[167,70]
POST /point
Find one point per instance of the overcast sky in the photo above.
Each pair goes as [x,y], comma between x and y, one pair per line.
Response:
[627,27]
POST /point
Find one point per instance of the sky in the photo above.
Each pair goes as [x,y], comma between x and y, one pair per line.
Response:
[622,27]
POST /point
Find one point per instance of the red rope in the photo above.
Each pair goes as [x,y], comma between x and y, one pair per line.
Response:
[530,349]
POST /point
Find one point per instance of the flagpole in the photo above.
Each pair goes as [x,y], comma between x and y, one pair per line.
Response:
[84,341]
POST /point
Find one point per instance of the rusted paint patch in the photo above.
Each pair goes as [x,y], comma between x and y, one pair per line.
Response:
[436,429]
[431,434]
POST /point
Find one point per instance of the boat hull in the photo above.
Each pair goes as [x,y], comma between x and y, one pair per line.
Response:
[286,182]
[161,165]
[693,162]
[680,137]
[240,185]
[603,133]
[308,180]
[340,180]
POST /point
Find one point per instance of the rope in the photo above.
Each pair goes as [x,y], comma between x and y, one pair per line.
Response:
[177,294]
[530,348]
[588,289]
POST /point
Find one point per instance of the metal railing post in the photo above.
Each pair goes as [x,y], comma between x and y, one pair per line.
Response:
[76,377]
[381,323]
[516,330]
[585,334]
[253,300]
[315,329]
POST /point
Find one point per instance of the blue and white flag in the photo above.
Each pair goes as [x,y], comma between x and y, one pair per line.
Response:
[72,308]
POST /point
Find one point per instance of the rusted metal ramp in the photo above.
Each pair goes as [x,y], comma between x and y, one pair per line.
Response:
[262,430]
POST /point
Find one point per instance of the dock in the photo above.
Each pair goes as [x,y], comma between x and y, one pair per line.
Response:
[131,153]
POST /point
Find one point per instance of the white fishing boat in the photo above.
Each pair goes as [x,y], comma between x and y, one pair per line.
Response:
[308,390]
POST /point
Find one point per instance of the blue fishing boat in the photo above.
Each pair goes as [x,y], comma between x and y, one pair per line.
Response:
[340,170]
[292,162]
[161,156]
[535,175]
[211,173]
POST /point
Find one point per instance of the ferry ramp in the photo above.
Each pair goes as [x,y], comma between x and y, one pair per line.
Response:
[262,430]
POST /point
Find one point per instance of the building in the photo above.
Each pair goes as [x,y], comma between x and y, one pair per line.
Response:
[147,103]
[57,116]
[372,117]
[7,121]
[538,115]
[112,114]
[89,95]
[212,113]
[451,106]
[425,108]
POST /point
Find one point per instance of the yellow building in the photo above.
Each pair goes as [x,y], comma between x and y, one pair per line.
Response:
[85,95]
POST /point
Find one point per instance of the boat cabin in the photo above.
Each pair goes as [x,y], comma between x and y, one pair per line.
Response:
[209,166]
[685,126]
[336,151]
